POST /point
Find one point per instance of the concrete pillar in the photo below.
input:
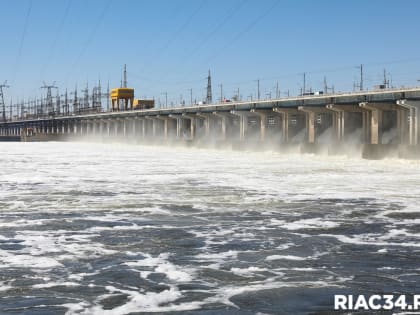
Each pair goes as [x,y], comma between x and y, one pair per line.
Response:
[285,115]
[224,117]
[101,127]
[339,118]
[134,126]
[263,114]
[193,123]
[124,125]
[154,125]
[165,120]
[165,129]
[116,123]
[143,128]
[243,123]
[338,122]
[413,119]
[402,124]
[207,123]
[311,113]
[179,125]
[179,128]
[376,116]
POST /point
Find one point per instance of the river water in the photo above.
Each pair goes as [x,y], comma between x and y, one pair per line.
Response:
[124,229]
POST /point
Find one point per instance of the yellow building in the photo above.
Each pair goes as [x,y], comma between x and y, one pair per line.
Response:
[122,99]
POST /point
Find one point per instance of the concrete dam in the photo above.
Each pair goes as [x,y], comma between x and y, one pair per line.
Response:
[377,123]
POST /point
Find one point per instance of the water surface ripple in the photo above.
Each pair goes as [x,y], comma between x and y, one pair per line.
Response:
[119,229]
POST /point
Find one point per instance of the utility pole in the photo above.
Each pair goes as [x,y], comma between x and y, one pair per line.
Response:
[50,109]
[191,98]
[237,95]
[57,103]
[125,76]
[386,80]
[66,103]
[3,106]
[166,99]
[304,84]
[277,90]
[361,77]
[325,85]
[99,97]
[209,98]
[221,93]
[258,89]
[75,102]
[107,97]
[329,88]
[11,110]
[86,97]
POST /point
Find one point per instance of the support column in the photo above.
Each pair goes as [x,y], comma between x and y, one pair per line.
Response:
[376,117]
[285,115]
[338,122]
[124,123]
[143,128]
[101,127]
[224,116]
[116,123]
[165,120]
[263,114]
[243,123]
[193,123]
[179,125]
[154,125]
[311,113]
[134,126]
[413,119]
[207,123]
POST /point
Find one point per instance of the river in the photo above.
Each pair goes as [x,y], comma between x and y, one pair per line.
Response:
[91,228]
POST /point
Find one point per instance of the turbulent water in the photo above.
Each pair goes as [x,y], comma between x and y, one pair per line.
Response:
[125,229]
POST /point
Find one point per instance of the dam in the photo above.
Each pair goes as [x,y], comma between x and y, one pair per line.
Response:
[378,122]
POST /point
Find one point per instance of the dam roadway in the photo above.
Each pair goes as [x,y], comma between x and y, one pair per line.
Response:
[379,122]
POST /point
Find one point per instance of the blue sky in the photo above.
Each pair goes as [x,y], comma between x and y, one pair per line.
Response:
[169,46]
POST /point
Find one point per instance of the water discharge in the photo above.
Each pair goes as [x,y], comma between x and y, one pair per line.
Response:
[117,229]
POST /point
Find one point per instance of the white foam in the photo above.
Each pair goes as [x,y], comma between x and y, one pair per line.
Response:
[367,239]
[315,223]
[173,272]
[4,286]
[248,272]
[27,261]
[218,256]
[160,264]
[49,249]
[55,284]
[285,257]
[137,302]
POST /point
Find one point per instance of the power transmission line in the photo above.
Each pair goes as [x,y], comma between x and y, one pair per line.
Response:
[175,35]
[22,40]
[244,31]
[90,38]
[3,106]
[225,19]
[57,35]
